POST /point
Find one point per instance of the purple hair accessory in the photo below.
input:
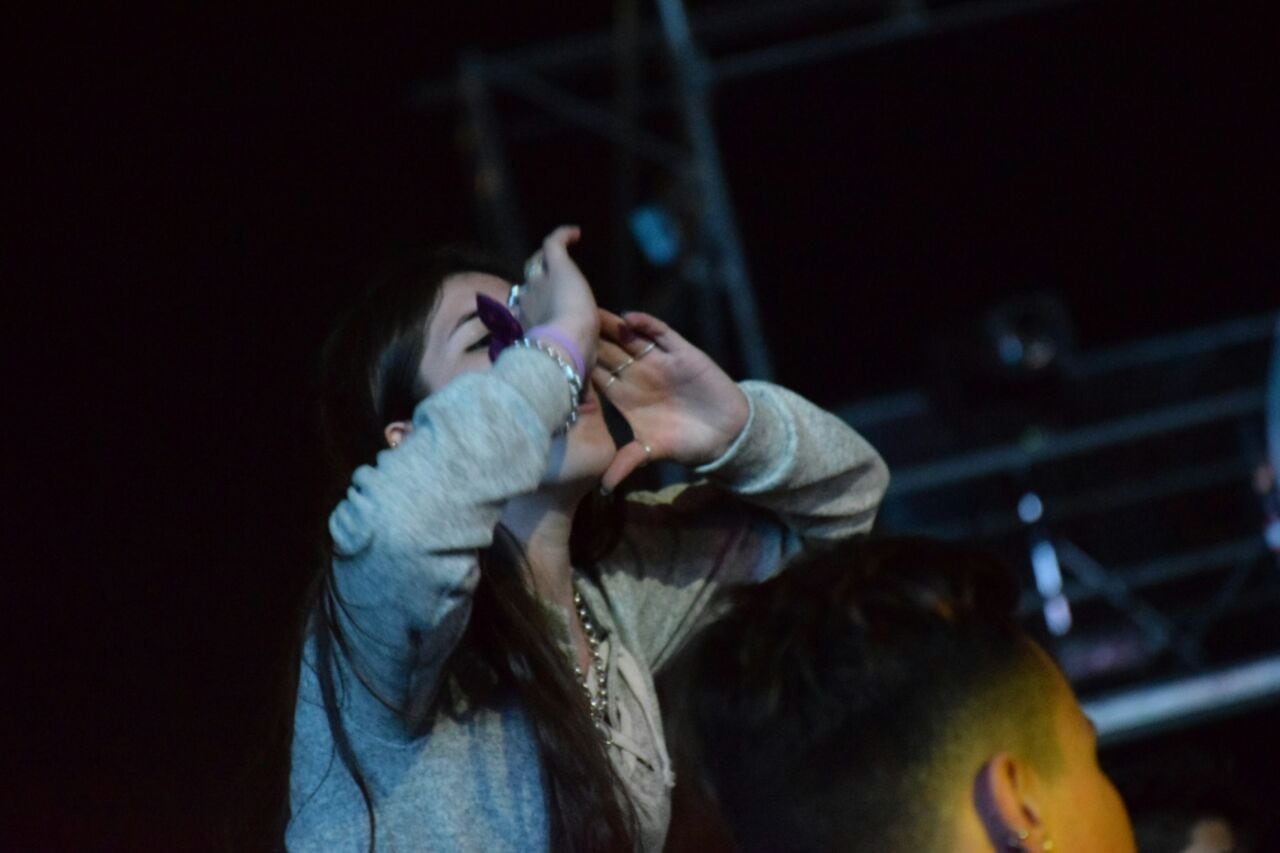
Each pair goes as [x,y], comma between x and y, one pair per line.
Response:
[504,328]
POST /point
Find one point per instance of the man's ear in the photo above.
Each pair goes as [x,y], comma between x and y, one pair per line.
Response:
[396,431]
[1005,797]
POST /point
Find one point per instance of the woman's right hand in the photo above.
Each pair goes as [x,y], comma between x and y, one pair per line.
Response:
[558,295]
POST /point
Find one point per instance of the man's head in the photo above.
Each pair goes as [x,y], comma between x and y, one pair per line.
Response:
[879,696]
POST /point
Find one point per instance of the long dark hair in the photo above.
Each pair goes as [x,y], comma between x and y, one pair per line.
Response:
[370,378]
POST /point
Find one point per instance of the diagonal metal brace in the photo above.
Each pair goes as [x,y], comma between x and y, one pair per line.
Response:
[520,81]
[1159,629]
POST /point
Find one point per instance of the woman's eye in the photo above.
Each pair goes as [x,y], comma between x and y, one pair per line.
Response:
[483,343]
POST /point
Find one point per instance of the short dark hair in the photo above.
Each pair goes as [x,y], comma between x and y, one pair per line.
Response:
[833,706]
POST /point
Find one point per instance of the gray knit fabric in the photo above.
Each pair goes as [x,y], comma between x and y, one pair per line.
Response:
[407,535]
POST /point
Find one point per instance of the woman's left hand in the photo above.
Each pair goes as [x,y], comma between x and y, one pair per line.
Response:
[679,403]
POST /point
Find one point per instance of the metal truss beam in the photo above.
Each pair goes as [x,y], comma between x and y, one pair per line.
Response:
[519,80]
[1273,406]
[1160,570]
[522,73]
[1125,715]
[905,21]
[1207,339]
[1011,458]
[1002,522]
[719,223]
[1114,587]
[1148,352]
[912,23]
[491,183]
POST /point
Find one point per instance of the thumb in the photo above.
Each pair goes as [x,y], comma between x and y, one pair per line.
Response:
[556,245]
[628,458]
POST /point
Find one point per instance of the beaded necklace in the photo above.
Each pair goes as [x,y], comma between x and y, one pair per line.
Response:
[597,700]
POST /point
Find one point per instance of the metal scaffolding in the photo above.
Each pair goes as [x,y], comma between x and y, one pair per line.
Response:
[1167,610]
[703,51]
[540,76]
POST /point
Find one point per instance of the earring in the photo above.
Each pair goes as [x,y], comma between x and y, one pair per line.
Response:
[394,445]
[1015,842]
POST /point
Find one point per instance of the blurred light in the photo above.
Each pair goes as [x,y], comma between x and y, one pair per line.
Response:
[1029,334]
[1119,648]
[1271,533]
[1044,564]
[1009,346]
[1057,615]
[657,234]
[1030,508]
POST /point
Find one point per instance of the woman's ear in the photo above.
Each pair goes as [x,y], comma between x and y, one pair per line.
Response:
[396,431]
[1004,795]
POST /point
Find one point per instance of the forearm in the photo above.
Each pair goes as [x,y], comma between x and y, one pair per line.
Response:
[804,464]
[408,533]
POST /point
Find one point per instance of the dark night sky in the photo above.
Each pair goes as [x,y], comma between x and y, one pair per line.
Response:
[197,191]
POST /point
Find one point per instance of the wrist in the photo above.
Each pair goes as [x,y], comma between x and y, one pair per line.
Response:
[735,436]
[562,343]
[736,423]
[572,376]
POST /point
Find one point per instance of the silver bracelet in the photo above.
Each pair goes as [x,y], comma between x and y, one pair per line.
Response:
[571,375]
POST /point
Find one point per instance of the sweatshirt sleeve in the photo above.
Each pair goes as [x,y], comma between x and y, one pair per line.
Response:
[407,534]
[797,475]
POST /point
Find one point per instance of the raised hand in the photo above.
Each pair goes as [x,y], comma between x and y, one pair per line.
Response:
[557,294]
[679,403]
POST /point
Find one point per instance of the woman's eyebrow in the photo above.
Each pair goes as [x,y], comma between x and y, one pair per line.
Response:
[463,320]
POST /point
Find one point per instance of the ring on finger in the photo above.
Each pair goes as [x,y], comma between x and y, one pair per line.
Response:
[613,377]
[617,371]
[648,453]
[645,351]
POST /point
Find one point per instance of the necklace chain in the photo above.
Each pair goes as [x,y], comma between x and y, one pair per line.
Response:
[598,699]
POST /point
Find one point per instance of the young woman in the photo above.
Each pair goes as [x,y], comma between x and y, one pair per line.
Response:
[478,670]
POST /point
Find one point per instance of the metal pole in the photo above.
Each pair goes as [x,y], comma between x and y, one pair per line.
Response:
[903,20]
[1160,631]
[573,110]
[499,219]
[718,219]
[1272,406]
[626,107]
[901,27]
[1005,458]
[1126,714]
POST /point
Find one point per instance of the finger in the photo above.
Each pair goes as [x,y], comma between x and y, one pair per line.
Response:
[614,328]
[649,326]
[605,383]
[609,355]
[609,371]
[555,248]
[605,380]
[628,458]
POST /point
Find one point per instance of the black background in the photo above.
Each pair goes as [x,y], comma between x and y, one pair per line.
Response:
[193,193]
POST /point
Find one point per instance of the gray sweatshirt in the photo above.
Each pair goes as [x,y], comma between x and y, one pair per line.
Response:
[406,538]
